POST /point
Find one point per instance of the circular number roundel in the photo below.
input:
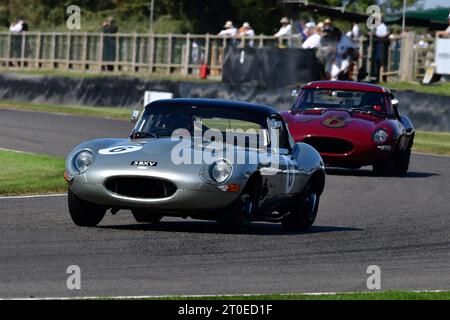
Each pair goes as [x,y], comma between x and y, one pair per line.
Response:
[119,150]
[334,122]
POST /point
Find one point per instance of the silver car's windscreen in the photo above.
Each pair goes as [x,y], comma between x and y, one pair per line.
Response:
[237,128]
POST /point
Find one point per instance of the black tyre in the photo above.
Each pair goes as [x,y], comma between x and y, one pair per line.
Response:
[83,213]
[147,217]
[401,165]
[239,215]
[397,164]
[303,211]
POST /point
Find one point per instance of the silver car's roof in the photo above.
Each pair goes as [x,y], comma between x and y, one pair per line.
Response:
[258,109]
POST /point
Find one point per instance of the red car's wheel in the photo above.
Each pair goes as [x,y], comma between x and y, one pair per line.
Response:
[397,164]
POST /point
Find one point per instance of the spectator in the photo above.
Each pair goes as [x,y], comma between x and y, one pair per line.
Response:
[345,56]
[381,42]
[286,28]
[327,24]
[355,31]
[444,33]
[109,43]
[327,49]
[285,32]
[300,28]
[314,36]
[247,31]
[109,26]
[229,30]
[17,27]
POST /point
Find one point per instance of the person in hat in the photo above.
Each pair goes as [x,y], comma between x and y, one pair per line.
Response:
[286,28]
[328,24]
[247,31]
[444,33]
[229,30]
[314,35]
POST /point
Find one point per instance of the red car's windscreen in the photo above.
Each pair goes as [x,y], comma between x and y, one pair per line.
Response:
[340,99]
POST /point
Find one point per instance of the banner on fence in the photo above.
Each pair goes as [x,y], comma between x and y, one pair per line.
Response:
[270,67]
[442,56]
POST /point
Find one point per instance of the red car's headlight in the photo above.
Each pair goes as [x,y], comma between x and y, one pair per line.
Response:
[380,136]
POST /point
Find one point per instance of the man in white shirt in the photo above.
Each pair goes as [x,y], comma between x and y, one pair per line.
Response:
[247,31]
[382,30]
[445,33]
[229,30]
[17,26]
[286,28]
[344,49]
[314,36]
[381,44]
[355,31]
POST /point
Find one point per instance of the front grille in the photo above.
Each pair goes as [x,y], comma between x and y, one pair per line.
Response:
[139,187]
[329,145]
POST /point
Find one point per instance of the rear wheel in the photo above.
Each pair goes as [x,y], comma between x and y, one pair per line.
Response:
[83,213]
[148,217]
[303,210]
[240,213]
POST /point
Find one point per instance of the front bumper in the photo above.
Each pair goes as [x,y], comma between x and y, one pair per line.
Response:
[191,195]
[361,155]
[181,201]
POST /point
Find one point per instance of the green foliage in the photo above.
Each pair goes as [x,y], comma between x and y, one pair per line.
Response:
[194,16]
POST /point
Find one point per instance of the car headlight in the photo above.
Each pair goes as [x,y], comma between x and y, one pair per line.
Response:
[380,136]
[221,170]
[83,160]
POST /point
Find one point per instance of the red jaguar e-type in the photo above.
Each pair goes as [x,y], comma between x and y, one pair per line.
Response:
[352,124]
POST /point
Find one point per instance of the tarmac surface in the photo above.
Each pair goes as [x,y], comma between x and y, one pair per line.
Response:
[400,224]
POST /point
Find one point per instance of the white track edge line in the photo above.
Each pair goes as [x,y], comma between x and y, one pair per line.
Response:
[31,196]
[215,295]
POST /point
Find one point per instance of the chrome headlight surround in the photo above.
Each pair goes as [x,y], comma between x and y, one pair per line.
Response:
[221,171]
[83,160]
[380,136]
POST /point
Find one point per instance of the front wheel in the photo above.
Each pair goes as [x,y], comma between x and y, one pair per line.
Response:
[303,210]
[83,213]
[240,214]
[397,164]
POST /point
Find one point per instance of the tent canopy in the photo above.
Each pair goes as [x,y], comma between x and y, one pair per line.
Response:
[433,18]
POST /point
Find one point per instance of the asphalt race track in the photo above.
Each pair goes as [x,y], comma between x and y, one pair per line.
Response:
[54,134]
[400,224]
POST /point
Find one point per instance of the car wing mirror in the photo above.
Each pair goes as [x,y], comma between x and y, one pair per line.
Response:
[135,115]
[395,103]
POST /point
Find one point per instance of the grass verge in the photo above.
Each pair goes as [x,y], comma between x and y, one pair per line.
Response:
[387,295]
[440,88]
[79,74]
[26,173]
[99,112]
[432,142]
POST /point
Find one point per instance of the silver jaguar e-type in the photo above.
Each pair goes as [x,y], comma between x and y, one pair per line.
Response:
[228,161]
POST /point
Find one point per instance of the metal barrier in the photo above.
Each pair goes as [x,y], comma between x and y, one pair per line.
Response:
[179,54]
[123,52]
